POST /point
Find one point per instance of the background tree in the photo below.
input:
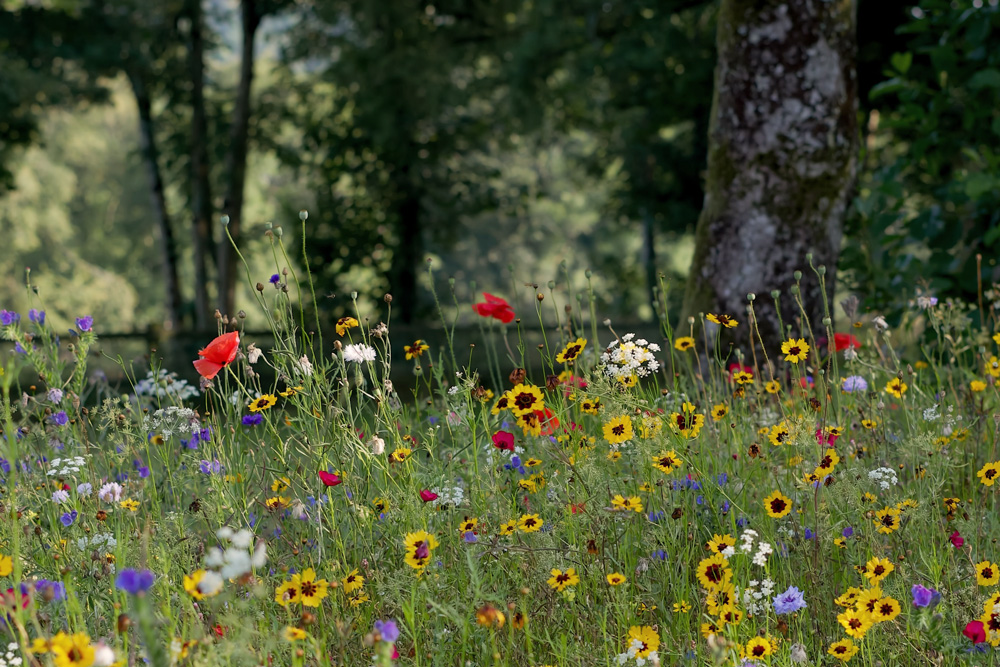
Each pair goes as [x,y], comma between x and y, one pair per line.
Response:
[781,160]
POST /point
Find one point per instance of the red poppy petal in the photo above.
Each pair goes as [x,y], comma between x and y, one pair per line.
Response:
[223,349]
[207,369]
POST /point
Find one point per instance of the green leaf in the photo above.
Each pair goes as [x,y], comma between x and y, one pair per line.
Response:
[985,78]
[893,85]
[979,184]
[902,61]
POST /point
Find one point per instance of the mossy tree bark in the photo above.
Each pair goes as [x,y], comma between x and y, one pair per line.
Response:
[781,162]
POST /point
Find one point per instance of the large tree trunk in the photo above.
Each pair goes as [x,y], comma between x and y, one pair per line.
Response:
[201,192]
[781,159]
[151,160]
[236,158]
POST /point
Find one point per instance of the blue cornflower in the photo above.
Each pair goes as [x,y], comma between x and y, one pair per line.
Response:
[134,582]
[253,420]
[210,467]
[60,418]
[470,537]
[722,479]
[68,518]
[387,630]
[274,279]
[50,590]
[85,323]
[790,601]
[853,383]
[810,534]
[656,517]
[847,532]
[924,597]
[659,554]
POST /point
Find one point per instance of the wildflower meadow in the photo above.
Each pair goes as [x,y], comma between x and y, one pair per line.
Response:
[600,498]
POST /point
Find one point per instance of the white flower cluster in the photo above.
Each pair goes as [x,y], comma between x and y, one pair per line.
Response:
[449,495]
[884,477]
[764,549]
[237,560]
[633,653]
[165,385]
[173,421]
[66,467]
[627,357]
[358,353]
[99,541]
[931,413]
[11,657]
[756,600]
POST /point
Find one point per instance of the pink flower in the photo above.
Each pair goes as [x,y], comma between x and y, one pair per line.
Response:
[427,495]
[495,307]
[957,540]
[503,440]
[975,632]
[825,439]
[329,479]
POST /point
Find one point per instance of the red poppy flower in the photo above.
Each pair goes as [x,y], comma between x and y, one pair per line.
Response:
[577,508]
[329,479]
[427,495]
[219,353]
[219,630]
[495,307]
[548,421]
[842,341]
[503,440]
[975,632]
[957,540]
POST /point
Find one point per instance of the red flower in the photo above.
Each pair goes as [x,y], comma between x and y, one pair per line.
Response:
[548,420]
[825,438]
[807,382]
[219,630]
[217,355]
[577,508]
[975,632]
[842,341]
[427,495]
[957,540]
[329,479]
[503,440]
[495,307]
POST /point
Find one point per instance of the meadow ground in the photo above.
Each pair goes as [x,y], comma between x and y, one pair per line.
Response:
[829,499]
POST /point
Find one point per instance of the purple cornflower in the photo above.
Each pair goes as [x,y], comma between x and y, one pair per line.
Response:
[37,316]
[68,518]
[275,278]
[50,590]
[210,467]
[9,317]
[470,537]
[388,630]
[847,532]
[790,601]
[85,323]
[55,394]
[809,534]
[924,597]
[134,582]
[253,420]
[60,418]
[853,383]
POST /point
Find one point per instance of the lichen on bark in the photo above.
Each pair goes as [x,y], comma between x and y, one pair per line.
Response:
[782,158]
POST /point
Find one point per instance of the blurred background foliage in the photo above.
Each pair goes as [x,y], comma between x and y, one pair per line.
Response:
[509,141]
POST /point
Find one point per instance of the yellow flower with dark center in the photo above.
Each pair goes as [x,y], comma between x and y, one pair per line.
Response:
[489,616]
[353,581]
[780,434]
[619,430]
[345,323]
[869,424]
[713,572]
[503,403]
[572,351]
[718,543]
[380,505]
[628,381]
[867,600]
[560,580]
[719,598]
[468,525]
[666,462]
[262,403]
[647,637]
[416,349]
[855,624]
[777,505]
[591,406]
[878,569]
[281,484]
[192,584]
[828,463]
[508,528]
[682,607]
[293,634]
[633,503]
[419,546]
[849,598]
[615,579]
[772,387]
[614,455]
[896,387]
[290,391]
[72,650]
[650,426]
[843,650]
[530,523]
[276,503]
[868,498]
[684,343]
[530,424]
[129,504]
[525,399]
[795,350]
[358,599]
[531,463]
[311,590]
[758,647]
[722,320]
[987,573]
[400,454]
[687,422]
[730,615]
[989,473]
[977,386]
[887,520]
[885,609]
[993,366]
[743,377]
[719,411]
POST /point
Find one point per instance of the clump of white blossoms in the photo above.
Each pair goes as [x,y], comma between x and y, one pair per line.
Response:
[884,477]
[66,467]
[11,657]
[171,421]
[238,559]
[448,495]
[99,541]
[358,353]
[634,649]
[627,357]
[756,600]
[165,385]
[746,540]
